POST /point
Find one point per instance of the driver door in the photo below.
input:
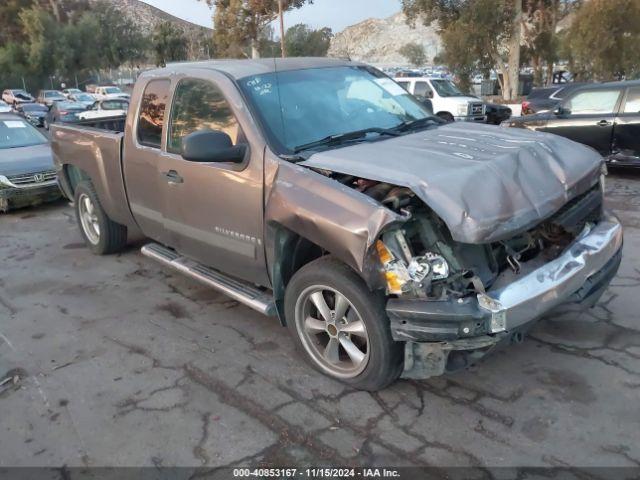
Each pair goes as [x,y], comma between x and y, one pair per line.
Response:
[213,211]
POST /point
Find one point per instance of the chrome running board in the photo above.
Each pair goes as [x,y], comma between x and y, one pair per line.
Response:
[238,290]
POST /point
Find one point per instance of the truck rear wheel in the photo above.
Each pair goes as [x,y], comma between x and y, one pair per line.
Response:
[101,234]
[341,326]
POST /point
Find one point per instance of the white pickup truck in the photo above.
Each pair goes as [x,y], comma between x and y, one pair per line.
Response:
[447,101]
[104,93]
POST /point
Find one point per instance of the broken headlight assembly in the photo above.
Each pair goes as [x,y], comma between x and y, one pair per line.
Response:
[413,276]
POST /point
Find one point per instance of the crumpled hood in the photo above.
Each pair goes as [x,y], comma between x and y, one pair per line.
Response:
[37,158]
[486,183]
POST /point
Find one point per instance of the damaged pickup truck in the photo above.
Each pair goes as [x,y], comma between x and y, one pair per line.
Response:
[320,191]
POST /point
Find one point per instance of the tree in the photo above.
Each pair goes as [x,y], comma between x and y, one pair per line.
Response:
[602,42]
[414,53]
[119,39]
[169,43]
[540,38]
[239,24]
[63,39]
[489,29]
[303,41]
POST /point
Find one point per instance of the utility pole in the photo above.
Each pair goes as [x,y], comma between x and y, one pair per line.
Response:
[283,48]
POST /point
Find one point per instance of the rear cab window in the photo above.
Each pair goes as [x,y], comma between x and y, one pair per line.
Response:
[152,113]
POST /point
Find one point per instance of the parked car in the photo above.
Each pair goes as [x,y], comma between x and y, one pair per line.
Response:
[85,99]
[49,97]
[388,241]
[67,92]
[34,113]
[5,107]
[496,113]
[105,108]
[604,116]
[545,99]
[103,93]
[17,96]
[63,112]
[448,102]
[27,174]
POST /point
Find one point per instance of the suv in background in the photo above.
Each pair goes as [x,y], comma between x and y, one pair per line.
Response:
[604,116]
[447,101]
[544,99]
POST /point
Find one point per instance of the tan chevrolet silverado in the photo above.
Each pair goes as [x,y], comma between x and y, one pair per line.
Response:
[319,191]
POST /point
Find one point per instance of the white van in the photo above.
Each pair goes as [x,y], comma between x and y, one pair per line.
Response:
[448,102]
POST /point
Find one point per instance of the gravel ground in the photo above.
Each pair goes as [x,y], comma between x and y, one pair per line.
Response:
[121,362]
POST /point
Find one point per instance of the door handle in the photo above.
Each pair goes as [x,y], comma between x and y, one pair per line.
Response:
[603,123]
[173,177]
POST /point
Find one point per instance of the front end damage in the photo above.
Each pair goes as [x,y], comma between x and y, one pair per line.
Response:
[451,302]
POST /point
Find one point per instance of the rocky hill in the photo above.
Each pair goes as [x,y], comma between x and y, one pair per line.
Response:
[147,16]
[378,40]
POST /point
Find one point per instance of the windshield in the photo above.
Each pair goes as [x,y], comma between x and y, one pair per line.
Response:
[446,88]
[112,90]
[302,106]
[18,133]
[53,95]
[83,97]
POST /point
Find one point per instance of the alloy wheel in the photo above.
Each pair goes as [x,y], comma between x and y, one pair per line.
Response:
[89,218]
[332,331]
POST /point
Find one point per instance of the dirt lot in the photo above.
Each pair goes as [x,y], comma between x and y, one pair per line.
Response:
[121,362]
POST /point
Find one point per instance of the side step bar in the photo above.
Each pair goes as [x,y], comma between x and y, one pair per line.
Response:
[241,291]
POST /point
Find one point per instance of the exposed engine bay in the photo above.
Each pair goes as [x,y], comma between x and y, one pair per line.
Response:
[420,259]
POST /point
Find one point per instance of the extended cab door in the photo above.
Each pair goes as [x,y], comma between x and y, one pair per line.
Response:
[587,116]
[626,132]
[214,211]
[142,155]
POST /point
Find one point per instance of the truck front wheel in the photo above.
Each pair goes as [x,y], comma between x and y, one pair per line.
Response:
[446,116]
[341,326]
[101,234]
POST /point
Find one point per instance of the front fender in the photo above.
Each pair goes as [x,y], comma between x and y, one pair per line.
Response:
[335,217]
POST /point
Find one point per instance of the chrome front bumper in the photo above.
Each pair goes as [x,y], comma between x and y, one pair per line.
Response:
[555,282]
[578,275]
[447,336]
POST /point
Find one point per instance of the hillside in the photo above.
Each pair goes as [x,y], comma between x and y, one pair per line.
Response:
[378,40]
[147,16]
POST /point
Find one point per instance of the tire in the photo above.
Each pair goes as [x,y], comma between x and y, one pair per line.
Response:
[378,360]
[446,116]
[109,236]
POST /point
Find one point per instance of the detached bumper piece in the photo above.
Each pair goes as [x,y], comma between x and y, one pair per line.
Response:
[459,332]
[23,197]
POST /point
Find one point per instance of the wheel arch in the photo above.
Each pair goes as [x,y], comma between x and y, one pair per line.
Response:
[290,252]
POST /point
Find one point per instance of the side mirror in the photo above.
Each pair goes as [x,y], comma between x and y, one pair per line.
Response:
[211,146]
[559,111]
[430,94]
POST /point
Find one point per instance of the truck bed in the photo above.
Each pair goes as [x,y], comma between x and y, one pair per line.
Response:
[93,149]
[112,124]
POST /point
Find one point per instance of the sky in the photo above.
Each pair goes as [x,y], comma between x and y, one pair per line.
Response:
[336,14]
